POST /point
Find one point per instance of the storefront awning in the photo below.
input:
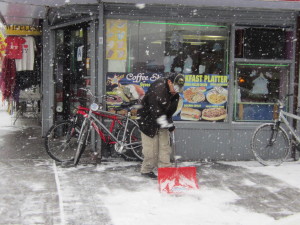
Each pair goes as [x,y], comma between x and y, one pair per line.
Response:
[27,12]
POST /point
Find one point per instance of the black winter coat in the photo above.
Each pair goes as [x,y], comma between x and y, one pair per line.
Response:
[158,101]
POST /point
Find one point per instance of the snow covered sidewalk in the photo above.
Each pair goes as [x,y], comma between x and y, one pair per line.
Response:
[35,190]
[288,173]
[229,194]
[113,193]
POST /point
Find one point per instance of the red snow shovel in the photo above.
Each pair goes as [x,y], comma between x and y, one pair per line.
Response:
[174,180]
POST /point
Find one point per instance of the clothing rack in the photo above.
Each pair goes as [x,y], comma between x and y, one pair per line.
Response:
[22,76]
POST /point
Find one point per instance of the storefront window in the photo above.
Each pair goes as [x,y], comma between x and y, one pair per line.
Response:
[258,88]
[260,84]
[145,46]
[138,52]
[263,43]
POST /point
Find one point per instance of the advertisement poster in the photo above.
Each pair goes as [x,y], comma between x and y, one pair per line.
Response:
[116,39]
[204,98]
[123,87]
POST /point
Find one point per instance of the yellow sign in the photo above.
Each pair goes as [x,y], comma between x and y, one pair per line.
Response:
[23,30]
[2,48]
[116,39]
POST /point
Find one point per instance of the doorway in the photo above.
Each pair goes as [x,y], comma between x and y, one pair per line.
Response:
[71,69]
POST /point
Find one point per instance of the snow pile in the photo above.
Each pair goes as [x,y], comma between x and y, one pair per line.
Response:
[206,206]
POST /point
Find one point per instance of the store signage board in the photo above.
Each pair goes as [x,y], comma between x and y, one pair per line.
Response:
[204,96]
[23,30]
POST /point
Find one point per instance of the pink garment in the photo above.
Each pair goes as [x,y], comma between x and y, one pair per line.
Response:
[14,47]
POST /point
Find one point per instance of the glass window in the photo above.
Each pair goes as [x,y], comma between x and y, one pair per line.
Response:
[159,46]
[263,43]
[138,52]
[258,87]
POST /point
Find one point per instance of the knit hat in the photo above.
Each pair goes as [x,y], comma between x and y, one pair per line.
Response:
[177,79]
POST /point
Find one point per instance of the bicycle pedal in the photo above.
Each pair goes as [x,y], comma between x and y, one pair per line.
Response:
[119,149]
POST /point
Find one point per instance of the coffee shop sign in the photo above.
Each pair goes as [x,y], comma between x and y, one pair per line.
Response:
[140,77]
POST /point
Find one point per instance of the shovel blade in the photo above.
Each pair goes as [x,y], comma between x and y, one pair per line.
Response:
[173,180]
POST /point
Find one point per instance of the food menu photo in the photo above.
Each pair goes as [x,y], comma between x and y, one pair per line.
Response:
[125,87]
[204,98]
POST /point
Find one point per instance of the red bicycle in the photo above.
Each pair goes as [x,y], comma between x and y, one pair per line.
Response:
[67,140]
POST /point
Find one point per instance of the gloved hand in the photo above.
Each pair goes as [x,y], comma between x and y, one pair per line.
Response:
[171,128]
[163,122]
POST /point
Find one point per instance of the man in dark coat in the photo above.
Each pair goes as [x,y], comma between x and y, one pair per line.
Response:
[155,121]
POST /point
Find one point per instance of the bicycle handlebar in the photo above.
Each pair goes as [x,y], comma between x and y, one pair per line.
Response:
[126,104]
[281,102]
[94,97]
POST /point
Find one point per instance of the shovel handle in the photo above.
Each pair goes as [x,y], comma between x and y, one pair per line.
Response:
[173,147]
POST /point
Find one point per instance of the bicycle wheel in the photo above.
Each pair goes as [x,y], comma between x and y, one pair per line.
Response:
[133,137]
[270,145]
[82,142]
[136,142]
[61,141]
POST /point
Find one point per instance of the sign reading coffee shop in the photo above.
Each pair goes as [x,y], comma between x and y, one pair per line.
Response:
[124,87]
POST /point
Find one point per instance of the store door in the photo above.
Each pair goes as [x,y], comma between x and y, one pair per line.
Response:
[71,69]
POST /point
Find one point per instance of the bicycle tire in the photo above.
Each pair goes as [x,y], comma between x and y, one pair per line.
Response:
[270,153]
[82,143]
[132,135]
[135,137]
[61,141]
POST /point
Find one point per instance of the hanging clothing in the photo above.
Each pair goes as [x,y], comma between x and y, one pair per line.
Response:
[14,47]
[28,54]
[7,79]
[260,85]
[188,63]
[168,61]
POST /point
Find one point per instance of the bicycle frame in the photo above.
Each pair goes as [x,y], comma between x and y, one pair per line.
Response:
[93,119]
[282,118]
[271,142]
[98,125]
[83,111]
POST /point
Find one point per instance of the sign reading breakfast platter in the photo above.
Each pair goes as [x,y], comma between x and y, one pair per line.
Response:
[204,97]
